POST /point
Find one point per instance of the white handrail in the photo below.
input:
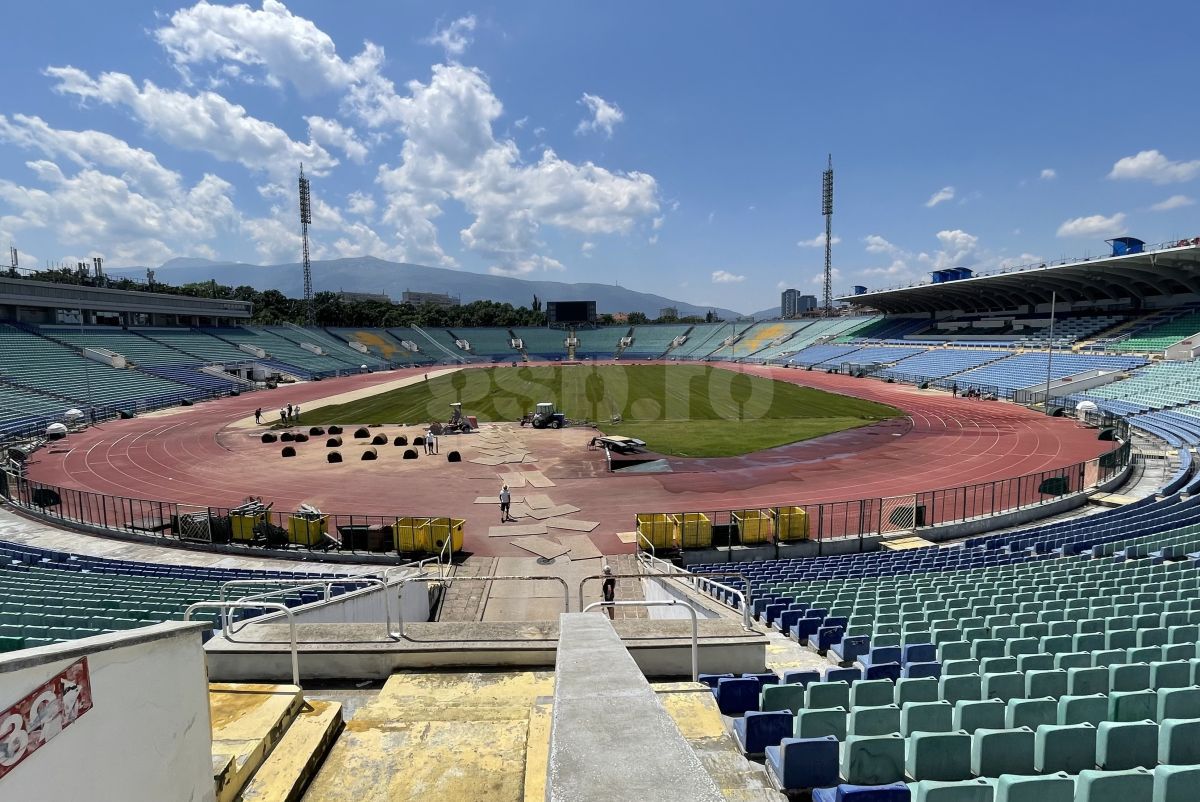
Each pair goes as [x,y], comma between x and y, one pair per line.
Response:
[670,603]
[682,574]
[293,585]
[399,633]
[225,606]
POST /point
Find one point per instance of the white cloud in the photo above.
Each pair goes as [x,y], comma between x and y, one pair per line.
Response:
[1173,202]
[333,133]
[450,152]
[586,248]
[286,47]
[604,115]
[1048,174]
[1096,225]
[817,241]
[1150,165]
[360,204]
[877,244]
[455,38]
[941,196]
[957,246]
[781,285]
[205,122]
[725,277]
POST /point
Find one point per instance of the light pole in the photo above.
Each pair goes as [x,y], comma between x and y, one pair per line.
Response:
[1050,353]
[87,371]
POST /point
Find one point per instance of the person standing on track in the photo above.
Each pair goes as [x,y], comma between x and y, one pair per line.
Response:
[258,416]
[505,500]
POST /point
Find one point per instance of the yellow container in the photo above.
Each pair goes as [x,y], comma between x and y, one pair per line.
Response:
[242,526]
[412,534]
[754,526]
[695,531]
[438,529]
[305,531]
[661,529]
[792,525]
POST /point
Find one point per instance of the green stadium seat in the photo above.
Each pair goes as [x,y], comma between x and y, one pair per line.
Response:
[1126,745]
[926,717]
[1030,713]
[871,693]
[822,722]
[970,714]
[1176,783]
[1070,748]
[782,697]
[938,756]
[1057,787]
[1179,742]
[1132,785]
[1177,703]
[1002,751]
[872,759]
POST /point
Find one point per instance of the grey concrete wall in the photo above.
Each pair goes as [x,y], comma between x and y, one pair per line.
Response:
[606,721]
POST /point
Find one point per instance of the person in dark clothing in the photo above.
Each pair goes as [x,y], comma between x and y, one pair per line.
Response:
[609,590]
[258,415]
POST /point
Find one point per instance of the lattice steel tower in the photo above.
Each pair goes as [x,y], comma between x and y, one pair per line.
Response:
[305,220]
[827,210]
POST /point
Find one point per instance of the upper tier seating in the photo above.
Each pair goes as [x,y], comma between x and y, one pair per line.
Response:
[1025,370]
[331,345]
[543,343]
[204,347]
[815,354]
[651,342]
[34,362]
[942,362]
[285,353]
[494,344]
[1160,336]
[603,342]
[891,328]
[383,345]
[703,339]
[137,350]
[761,336]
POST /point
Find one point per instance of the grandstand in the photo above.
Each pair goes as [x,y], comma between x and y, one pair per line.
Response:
[493,344]
[541,343]
[383,345]
[604,342]
[1028,369]
[651,342]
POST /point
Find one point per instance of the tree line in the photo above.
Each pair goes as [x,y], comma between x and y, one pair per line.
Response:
[272,307]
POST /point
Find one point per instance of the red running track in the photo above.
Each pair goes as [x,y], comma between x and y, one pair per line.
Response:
[944,442]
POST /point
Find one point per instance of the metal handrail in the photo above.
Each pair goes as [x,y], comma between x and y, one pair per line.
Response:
[670,603]
[399,633]
[292,585]
[675,572]
[225,606]
[695,579]
[648,543]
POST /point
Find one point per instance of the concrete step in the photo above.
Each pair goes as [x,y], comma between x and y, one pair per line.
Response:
[437,736]
[537,748]
[296,759]
[694,711]
[248,721]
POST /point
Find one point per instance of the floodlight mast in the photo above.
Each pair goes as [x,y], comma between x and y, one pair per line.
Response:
[305,220]
[827,210]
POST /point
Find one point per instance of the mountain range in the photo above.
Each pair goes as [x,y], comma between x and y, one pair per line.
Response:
[368,274]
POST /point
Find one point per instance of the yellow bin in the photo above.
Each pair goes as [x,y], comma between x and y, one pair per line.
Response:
[695,531]
[242,526]
[754,526]
[305,531]
[438,529]
[659,528]
[412,534]
[792,525]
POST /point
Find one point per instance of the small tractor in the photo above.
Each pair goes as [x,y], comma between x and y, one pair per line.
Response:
[545,417]
[458,422]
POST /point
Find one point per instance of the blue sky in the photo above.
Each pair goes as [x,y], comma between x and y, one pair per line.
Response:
[671,147]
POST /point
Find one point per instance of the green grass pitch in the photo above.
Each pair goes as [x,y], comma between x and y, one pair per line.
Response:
[682,410]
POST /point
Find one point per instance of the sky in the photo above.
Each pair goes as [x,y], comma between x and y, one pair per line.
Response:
[670,147]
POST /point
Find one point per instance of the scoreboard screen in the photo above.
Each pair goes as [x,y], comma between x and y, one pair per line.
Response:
[571,311]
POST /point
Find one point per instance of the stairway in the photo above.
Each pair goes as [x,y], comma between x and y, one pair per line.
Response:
[268,740]
[444,736]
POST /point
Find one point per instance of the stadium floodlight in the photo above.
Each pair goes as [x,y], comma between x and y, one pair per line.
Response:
[827,210]
[305,221]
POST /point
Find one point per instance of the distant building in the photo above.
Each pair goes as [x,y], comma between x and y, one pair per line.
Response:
[793,304]
[668,311]
[620,317]
[354,297]
[435,298]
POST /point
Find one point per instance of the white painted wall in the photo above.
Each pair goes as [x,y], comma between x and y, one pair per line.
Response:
[366,606]
[660,590]
[148,736]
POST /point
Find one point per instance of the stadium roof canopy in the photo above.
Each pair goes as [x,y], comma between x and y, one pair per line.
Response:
[1169,269]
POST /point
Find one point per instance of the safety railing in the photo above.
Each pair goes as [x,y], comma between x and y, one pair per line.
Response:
[650,562]
[686,577]
[666,603]
[173,522]
[399,633]
[225,606]
[290,586]
[783,524]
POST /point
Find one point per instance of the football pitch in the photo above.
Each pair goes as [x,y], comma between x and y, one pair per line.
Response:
[681,410]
